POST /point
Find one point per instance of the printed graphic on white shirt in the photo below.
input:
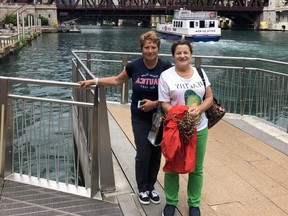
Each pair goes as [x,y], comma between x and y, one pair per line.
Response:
[192,100]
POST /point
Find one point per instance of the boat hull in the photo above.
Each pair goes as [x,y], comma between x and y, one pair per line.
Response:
[191,38]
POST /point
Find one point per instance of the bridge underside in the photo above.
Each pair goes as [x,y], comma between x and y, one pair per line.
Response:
[93,16]
[242,12]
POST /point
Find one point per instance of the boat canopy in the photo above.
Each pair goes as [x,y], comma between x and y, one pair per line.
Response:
[182,13]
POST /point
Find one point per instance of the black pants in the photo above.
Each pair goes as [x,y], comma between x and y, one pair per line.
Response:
[148,157]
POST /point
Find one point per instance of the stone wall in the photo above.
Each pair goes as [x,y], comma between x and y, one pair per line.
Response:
[47,11]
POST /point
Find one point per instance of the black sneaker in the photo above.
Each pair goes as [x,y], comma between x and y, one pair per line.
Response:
[154,197]
[169,210]
[144,198]
[194,211]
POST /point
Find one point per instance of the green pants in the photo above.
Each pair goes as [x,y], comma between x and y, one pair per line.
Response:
[195,179]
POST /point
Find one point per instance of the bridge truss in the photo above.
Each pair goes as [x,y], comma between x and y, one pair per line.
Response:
[241,11]
[151,4]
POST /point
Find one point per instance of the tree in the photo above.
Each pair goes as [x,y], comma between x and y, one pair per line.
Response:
[10,19]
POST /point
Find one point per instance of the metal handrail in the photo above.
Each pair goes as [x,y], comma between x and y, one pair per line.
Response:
[51,100]
[23,133]
[226,73]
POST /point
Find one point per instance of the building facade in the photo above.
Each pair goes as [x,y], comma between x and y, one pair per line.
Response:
[275,16]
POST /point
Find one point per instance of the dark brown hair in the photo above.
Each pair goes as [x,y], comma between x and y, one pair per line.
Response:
[181,42]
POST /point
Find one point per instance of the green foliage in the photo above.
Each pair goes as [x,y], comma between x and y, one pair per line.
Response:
[169,18]
[23,41]
[44,21]
[10,19]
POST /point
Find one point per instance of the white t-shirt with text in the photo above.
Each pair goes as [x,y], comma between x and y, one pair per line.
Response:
[177,90]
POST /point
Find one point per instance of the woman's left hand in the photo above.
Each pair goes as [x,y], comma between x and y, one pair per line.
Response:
[194,111]
[148,105]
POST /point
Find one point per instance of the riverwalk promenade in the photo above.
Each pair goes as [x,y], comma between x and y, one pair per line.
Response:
[246,173]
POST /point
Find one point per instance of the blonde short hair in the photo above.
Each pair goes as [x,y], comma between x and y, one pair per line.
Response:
[149,36]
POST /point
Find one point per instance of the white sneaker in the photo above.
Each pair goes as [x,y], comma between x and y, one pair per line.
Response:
[144,198]
[154,197]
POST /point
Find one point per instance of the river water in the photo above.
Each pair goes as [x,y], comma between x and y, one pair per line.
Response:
[49,56]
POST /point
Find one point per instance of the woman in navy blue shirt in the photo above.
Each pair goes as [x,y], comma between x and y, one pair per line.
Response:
[144,73]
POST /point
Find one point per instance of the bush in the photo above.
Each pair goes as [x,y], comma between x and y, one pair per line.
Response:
[44,21]
[23,41]
[10,19]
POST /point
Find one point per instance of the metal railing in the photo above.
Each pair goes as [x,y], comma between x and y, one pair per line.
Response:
[38,133]
[245,86]
[38,136]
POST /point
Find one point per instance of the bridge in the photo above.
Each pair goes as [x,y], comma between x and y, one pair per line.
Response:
[242,12]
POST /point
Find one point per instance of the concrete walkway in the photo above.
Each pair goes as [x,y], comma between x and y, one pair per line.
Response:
[246,168]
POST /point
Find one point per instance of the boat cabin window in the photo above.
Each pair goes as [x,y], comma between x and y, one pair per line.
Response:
[194,24]
[178,24]
[202,23]
[211,24]
[191,24]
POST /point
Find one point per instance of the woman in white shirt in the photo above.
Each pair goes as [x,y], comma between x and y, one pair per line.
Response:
[182,85]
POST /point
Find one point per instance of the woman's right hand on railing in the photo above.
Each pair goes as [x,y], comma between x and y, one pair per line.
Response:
[87,83]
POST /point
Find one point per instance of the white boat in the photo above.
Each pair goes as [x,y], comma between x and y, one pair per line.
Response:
[69,26]
[194,26]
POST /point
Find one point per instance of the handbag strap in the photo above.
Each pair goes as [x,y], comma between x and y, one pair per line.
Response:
[201,75]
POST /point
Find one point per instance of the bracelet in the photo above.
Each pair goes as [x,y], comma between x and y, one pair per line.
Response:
[96,80]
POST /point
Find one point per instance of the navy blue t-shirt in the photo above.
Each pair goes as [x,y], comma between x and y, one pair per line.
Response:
[144,85]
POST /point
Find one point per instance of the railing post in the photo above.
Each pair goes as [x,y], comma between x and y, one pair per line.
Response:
[107,181]
[242,89]
[197,62]
[94,135]
[75,78]
[102,173]
[6,135]
[124,87]
[88,64]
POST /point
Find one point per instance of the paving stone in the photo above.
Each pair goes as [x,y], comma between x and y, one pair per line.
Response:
[273,170]
[281,202]
[229,209]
